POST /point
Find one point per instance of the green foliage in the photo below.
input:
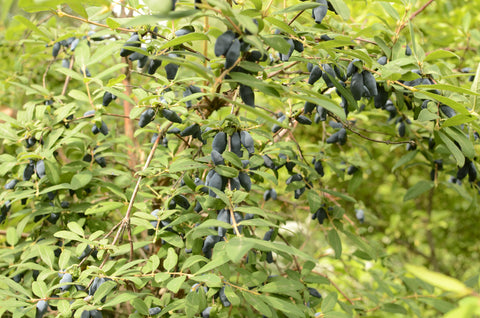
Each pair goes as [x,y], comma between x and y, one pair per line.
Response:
[173,159]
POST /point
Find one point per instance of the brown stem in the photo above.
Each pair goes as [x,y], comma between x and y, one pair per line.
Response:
[404,24]
[430,239]
[334,285]
[126,220]
[127,107]
[388,142]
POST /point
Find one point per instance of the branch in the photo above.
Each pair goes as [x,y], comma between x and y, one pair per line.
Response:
[126,220]
[388,142]
[334,285]
[404,24]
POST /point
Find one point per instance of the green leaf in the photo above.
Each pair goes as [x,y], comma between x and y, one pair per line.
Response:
[258,302]
[175,284]
[335,242]
[185,164]
[289,308]
[457,154]
[427,115]
[439,304]
[329,302]
[104,290]
[281,286]
[277,42]
[459,136]
[323,101]
[39,288]
[81,179]
[171,261]
[75,228]
[341,8]
[64,259]
[314,200]
[340,195]
[234,299]
[103,207]
[31,26]
[459,108]
[440,54]
[15,287]
[194,36]
[281,25]
[439,280]
[211,280]
[297,7]
[406,158]
[140,306]
[390,10]
[458,120]
[120,299]
[394,308]
[46,254]
[12,237]
[237,247]
[112,24]
[419,188]
[227,172]
[450,88]
[476,88]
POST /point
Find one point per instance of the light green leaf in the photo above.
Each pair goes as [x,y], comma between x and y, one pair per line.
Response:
[419,188]
[237,247]
[195,36]
[439,280]
[440,54]
[426,115]
[341,8]
[406,158]
[227,172]
[394,308]
[75,228]
[172,259]
[103,207]
[447,87]
[81,179]
[175,284]
[459,108]
[340,195]
[458,120]
[104,290]
[335,242]
[457,154]
[329,302]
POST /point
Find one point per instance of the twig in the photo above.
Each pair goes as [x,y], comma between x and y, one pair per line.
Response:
[388,142]
[60,13]
[67,80]
[431,243]
[295,17]
[334,285]
[404,24]
[3,232]
[126,220]
[282,69]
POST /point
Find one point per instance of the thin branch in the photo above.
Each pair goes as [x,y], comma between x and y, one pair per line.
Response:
[388,142]
[67,80]
[126,220]
[295,17]
[334,285]
[404,24]
[430,239]
[61,14]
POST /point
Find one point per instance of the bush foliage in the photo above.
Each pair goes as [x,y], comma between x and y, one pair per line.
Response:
[223,158]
